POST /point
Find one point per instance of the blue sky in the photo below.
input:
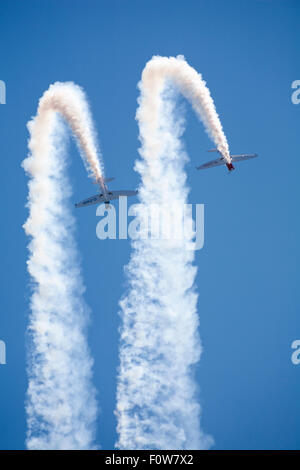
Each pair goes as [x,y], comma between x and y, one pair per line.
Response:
[248,52]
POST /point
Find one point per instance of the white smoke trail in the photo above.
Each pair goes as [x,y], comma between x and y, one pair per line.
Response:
[61,405]
[157,405]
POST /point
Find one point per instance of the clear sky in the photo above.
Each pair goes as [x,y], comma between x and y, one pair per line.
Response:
[248,52]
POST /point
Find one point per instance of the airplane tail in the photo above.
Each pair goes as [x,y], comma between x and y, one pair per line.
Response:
[103,180]
[213,150]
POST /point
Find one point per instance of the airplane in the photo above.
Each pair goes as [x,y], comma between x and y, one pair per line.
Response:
[104,195]
[222,161]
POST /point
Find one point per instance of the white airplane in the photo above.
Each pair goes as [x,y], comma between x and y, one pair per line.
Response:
[222,161]
[105,195]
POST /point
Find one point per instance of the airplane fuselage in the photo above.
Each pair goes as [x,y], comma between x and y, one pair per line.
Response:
[105,193]
[230,166]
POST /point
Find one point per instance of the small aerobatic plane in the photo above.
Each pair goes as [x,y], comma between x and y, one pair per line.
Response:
[104,195]
[221,160]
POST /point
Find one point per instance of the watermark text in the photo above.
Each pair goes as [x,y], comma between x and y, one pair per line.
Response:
[2,92]
[295,358]
[296,94]
[2,353]
[156,222]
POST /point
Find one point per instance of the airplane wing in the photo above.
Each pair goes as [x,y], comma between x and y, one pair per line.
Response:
[99,198]
[212,163]
[240,158]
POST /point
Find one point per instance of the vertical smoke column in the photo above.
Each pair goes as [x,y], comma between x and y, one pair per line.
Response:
[61,405]
[157,404]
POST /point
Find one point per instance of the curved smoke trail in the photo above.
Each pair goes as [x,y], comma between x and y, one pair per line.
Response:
[61,405]
[157,406]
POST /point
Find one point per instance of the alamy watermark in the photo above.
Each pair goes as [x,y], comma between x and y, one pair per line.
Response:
[295,357]
[156,222]
[2,352]
[296,94]
[2,92]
